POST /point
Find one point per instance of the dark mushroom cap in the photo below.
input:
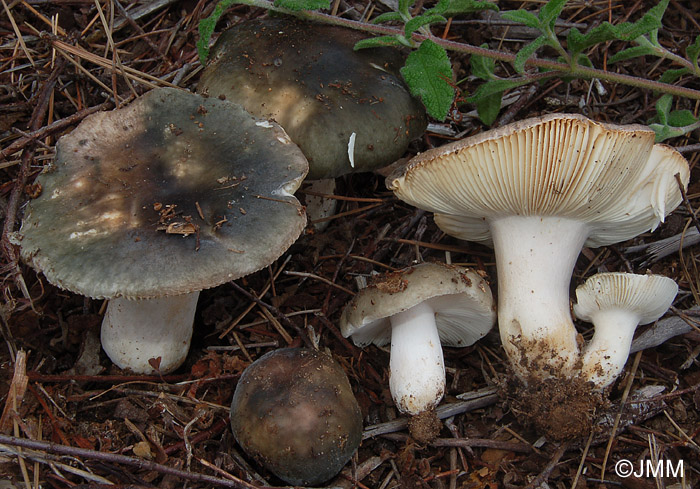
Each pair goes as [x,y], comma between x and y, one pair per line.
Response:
[295,413]
[308,78]
[102,226]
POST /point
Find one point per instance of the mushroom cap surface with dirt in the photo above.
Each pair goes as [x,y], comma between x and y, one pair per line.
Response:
[334,102]
[167,196]
[418,309]
[294,412]
[539,190]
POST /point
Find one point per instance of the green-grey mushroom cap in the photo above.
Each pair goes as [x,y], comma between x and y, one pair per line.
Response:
[295,413]
[349,111]
[171,194]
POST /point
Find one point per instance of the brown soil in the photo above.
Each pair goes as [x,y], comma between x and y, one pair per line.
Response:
[560,409]
[424,427]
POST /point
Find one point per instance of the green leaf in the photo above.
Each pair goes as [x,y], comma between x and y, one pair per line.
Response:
[297,5]
[657,12]
[681,118]
[427,73]
[483,67]
[440,7]
[485,90]
[527,51]
[488,107]
[629,53]
[206,29]
[417,22]
[671,76]
[646,25]
[461,7]
[693,51]
[387,17]
[523,17]
[663,108]
[672,123]
[403,8]
[550,11]
[577,42]
[664,132]
[376,42]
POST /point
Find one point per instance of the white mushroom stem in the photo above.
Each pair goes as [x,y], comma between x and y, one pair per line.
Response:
[320,208]
[136,331]
[605,355]
[535,258]
[417,368]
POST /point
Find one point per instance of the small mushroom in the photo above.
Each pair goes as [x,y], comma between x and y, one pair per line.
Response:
[143,206]
[616,303]
[294,412]
[539,190]
[418,309]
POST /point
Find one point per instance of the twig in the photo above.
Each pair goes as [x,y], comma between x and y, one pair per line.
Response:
[686,202]
[575,71]
[275,311]
[55,126]
[322,279]
[40,109]
[18,387]
[114,458]
[623,400]
[518,447]
[482,398]
[544,475]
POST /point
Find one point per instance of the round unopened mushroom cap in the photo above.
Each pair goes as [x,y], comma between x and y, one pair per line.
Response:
[172,194]
[347,110]
[612,177]
[295,413]
[461,299]
[647,296]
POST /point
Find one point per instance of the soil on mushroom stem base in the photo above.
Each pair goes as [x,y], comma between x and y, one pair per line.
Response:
[560,409]
[424,427]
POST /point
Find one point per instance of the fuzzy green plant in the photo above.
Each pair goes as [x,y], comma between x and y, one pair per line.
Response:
[428,70]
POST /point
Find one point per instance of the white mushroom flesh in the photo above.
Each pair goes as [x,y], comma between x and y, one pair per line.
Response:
[417,368]
[149,336]
[535,257]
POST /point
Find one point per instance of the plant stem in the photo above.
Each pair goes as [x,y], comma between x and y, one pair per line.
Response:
[575,70]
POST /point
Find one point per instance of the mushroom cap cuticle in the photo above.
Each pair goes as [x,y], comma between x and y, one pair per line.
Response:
[301,398]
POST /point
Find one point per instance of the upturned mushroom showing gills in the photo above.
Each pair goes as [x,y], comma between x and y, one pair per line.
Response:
[149,204]
[418,309]
[349,111]
[538,190]
[616,303]
[294,412]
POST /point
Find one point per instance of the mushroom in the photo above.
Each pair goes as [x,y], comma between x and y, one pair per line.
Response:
[149,204]
[349,111]
[539,190]
[294,412]
[417,309]
[616,303]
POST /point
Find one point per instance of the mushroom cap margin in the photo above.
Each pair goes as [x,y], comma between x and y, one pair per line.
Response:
[461,298]
[649,296]
[613,177]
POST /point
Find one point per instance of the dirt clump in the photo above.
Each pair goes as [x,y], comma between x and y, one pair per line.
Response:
[558,408]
